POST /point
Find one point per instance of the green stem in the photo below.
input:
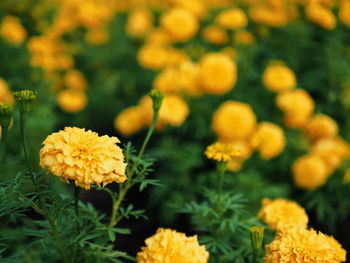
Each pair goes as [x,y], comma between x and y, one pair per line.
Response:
[255,256]
[24,139]
[149,134]
[76,205]
[3,144]
[222,166]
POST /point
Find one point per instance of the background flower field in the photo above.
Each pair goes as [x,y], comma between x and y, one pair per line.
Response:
[268,80]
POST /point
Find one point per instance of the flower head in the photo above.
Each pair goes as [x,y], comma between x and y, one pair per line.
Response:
[282,214]
[12,30]
[25,99]
[84,157]
[170,246]
[130,121]
[303,245]
[232,18]
[321,15]
[278,78]
[72,101]
[321,126]
[222,152]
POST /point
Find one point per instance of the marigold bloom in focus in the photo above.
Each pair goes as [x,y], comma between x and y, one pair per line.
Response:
[269,140]
[282,214]
[321,126]
[310,172]
[222,152]
[233,18]
[303,245]
[170,246]
[321,15]
[233,121]
[72,101]
[130,121]
[278,78]
[180,23]
[215,35]
[218,73]
[84,157]
[297,106]
[12,30]
[139,23]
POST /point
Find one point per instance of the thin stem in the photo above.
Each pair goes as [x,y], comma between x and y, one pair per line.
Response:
[22,117]
[149,134]
[255,256]
[221,169]
[76,205]
[3,144]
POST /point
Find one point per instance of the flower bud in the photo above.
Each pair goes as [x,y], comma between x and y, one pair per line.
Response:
[25,98]
[256,237]
[6,111]
[157,98]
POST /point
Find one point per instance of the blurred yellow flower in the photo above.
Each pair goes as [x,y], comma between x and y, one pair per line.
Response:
[189,81]
[72,101]
[268,16]
[222,152]
[297,106]
[269,140]
[167,80]
[215,35]
[84,157]
[5,93]
[139,23]
[130,121]
[180,23]
[74,79]
[244,37]
[218,73]
[321,126]
[310,172]
[197,7]
[153,56]
[303,245]
[346,178]
[97,36]
[159,37]
[170,246]
[233,18]
[321,15]
[234,121]
[282,214]
[12,30]
[344,12]
[278,78]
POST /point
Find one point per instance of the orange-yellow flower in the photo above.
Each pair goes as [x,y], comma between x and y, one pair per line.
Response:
[72,101]
[215,35]
[269,140]
[282,214]
[321,15]
[233,18]
[83,157]
[170,246]
[268,16]
[97,36]
[278,78]
[139,23]
[197,7]
[303,245]
[5,94]
[74,79]
[234,121]
[310,172]
[218,73]
[12,30]
[321,126]
[244,37]
[222,152]
[130,121]
[344,12]
[153,56]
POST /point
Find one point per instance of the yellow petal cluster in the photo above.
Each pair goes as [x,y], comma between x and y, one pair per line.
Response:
[215,35]
[269,140]
[321,15]
[233,121]
[282,214]
[278,78]
[83,157]
[244,37]
[139,23]
[196,7]
[74,79]
[344,12]
[72,101]
[321,126]
[233,18]
[303,245]
[170,246]
[5,93]
[245,151]
[12,30]
[218,73]
[130,121]
[222,152]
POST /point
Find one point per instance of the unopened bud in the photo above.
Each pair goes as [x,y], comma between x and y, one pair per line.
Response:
[25,99]
[256,237]
[157,97]
[6,111]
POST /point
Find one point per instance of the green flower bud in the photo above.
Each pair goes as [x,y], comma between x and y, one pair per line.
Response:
[6,111]
[25,99]
[256,237]
[157,97]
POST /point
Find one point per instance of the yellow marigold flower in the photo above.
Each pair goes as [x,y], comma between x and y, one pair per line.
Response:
[321,15]
[94,14]
[344,12]
[278,78]
[173,111]
[170,246]
[139,23]
[196,7]
[346,178]
[167,80]
[321,126]
[332,151]
[215,35]
[180,23]
[218,73]
[234,121]
[189,74]
[310,172]
[244,37]
[153,56]
[12,30]
[175,57]
[233,18]
[282,214]
[130,121]
[222,152]
[97,36]
[303,245]
[297,106]
[72,101]
[84,157]
[269,140]
[5,94]
[159,37]
[268,16]
[74,79]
